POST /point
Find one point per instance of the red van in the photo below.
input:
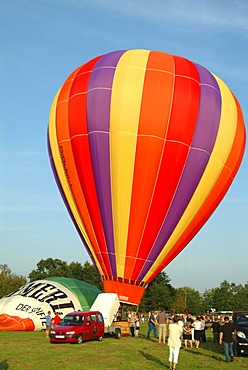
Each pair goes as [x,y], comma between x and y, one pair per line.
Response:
[77,327]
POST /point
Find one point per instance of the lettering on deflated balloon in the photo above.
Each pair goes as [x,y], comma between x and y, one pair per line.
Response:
[42,292]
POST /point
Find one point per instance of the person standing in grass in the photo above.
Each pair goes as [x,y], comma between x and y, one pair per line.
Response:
[56,319]
[152,325]
[162,320]
[187,334]
[226,339]
[131,321]
[198,327]
[215,328]
[48,323]
[174,342]
[137,325]
[203,338]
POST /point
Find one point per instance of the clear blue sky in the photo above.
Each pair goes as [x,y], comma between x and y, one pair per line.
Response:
[41,43]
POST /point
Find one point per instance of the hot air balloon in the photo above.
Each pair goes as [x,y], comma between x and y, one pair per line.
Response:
[143,145]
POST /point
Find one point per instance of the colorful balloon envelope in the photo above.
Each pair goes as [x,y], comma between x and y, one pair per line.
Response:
[144,145]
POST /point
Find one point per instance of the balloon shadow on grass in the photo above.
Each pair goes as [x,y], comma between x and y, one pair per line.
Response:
[151,358]
[4,365]
[151,339]
[198,353]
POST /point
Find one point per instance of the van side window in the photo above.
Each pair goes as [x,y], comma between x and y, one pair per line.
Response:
[100,318]
[88,320]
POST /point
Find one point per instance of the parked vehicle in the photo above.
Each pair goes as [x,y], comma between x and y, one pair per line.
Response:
[108,304]
[80,326]
[77,327]
[240,321]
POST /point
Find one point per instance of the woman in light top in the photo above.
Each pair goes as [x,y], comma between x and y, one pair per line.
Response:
[198,328]
[174,342]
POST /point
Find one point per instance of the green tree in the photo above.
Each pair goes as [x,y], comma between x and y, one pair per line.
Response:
[76,270]
[9,282]
[238,302]
[223,296]
[48,268]
[242,301]
[90,275]
[187,298]
[230,297]
[162,278]
[208,300]
[55,267]
[158,294]
[178,305]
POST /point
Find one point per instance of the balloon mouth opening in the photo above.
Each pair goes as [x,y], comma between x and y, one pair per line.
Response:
[127,291]
[123,280]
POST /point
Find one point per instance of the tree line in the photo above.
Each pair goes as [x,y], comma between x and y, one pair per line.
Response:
[159,293]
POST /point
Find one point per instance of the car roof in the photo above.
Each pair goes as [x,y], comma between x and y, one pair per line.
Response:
[240,312]
[82,313]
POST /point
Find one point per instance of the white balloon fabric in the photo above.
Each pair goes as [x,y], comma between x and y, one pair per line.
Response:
[26,309]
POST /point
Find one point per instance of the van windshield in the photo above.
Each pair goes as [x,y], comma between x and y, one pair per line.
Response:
[72,320]
[242,320]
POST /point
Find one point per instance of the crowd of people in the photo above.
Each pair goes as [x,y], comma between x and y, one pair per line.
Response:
[183,331]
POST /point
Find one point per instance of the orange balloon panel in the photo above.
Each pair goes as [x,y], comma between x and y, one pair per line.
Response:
[15,323]
[143,145]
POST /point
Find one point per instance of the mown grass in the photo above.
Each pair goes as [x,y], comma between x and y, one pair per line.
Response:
[31,350]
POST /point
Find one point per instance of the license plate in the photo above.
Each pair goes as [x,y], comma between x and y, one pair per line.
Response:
[60,336]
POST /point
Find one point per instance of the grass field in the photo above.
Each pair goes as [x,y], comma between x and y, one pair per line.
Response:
[31,350]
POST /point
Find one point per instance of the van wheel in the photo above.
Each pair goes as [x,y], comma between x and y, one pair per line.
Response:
[117,333]
[99,339]
[80,339]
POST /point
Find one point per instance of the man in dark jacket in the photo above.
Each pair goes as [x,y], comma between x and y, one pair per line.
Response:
[226,338]
[215,327]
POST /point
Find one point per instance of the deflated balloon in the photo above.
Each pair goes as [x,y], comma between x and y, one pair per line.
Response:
[144,145]
[26,309]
